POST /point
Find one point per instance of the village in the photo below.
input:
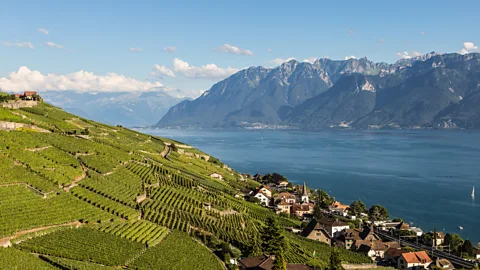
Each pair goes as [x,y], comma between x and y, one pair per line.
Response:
[389,243]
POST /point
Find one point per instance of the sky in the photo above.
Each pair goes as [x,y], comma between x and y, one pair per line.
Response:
[189,45]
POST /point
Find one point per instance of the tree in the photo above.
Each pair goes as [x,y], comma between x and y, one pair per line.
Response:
[317,212]
[173,147]
[468,248]
[397,220]
[378,212]
[273,240]
[335,261]
[357,208]
[323,198]
[427,239]
[280,263]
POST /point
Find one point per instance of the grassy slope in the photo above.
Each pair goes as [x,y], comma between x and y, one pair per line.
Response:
[109,168]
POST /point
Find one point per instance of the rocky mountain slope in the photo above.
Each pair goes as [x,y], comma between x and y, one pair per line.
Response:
[432,90]
[259,94]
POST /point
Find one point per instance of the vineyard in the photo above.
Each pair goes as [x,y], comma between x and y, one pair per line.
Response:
[135,205]
[178,251]
[84,245]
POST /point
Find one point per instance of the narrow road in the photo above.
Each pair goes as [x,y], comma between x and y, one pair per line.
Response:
[6,241]
[457,261]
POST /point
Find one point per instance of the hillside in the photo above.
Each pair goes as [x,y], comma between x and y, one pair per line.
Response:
[84,195]
[429,91]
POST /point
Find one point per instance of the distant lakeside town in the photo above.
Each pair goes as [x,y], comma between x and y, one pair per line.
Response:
[368,231]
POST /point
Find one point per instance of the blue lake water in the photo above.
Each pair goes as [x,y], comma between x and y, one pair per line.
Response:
[423,176]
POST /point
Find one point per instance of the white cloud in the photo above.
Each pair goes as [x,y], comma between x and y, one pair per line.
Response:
[407,55]
[279,61]
[54,45]
[310,60]
[160,71]
[350,57]
[43,31]
[468,47]
[170,49]
[26,79]
[208,71]
[463,51]
[135,49]
[227,48]
[19,44]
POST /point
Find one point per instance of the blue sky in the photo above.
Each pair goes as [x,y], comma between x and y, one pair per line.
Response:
[128,38]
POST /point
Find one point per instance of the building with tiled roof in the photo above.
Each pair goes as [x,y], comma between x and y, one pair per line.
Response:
[315,231]
[392,254]
[414,260]
[264,262]
[333,226]
[444,264]
[288,197]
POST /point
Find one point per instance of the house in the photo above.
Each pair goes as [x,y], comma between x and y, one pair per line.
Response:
[282,185]
[262,197]
[392,254]
[333,226]
[374,249]
[288,197]
[350,236]
[416,230]
[315,231]
[339,208]
[264,262]
[302,209]
[438,239]
[414,260]
[283,207]
[266,190]
[444,264]
[27,95]
[477,254]
[217,176]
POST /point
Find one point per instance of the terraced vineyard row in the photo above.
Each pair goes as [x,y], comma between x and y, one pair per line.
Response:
[84,244]
[19,205]
[141,231]
[104,203]
[122,186]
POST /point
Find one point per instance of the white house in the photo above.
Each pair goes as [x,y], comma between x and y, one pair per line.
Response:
[262,197]
[414,260]
[217,176]
[334,227]
[266,191]
[477,254]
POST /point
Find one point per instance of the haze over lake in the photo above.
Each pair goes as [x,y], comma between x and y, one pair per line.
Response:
[423,176]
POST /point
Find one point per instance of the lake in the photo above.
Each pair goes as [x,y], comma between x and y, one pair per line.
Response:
[423,176]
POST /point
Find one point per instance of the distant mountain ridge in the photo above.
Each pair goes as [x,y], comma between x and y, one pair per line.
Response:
[432,90]
[116,108]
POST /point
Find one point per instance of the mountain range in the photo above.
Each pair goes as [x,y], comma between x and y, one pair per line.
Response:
[432,90]
[116,108]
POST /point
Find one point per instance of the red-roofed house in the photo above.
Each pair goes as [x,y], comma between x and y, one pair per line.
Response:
[288,197]
[414,260]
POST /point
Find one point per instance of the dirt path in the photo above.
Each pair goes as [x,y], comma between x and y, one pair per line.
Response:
[76,180]
[5,242]
[38,149]
[165,151]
